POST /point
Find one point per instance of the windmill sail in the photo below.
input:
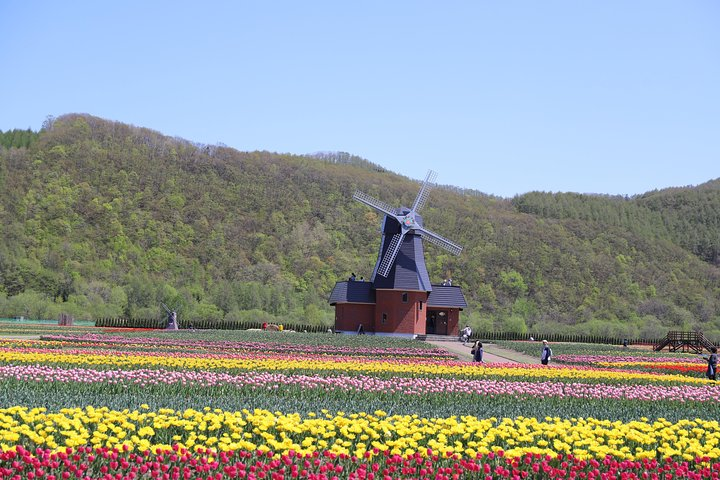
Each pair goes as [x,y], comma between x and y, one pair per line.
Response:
[424,192]
[440,241]
[390,254]
[403,225]
[381,207]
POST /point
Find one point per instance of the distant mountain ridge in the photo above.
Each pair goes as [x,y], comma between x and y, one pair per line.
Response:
[102,218]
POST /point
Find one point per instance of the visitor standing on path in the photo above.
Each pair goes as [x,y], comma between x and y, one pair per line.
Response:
[477,352]
[546,353]
[712,364]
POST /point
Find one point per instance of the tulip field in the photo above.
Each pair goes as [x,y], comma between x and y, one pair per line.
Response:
[107,404]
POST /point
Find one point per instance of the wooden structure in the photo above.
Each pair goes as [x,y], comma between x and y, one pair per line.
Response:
[399,298]
[694,342]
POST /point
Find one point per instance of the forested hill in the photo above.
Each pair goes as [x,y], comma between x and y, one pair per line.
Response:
[101,218]
[688,216]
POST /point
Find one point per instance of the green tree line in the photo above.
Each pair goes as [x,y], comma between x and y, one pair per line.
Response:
[17,138]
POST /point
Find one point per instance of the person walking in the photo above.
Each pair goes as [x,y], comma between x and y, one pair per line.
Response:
[466,334]
[477,352]
[546,353]
[712,364]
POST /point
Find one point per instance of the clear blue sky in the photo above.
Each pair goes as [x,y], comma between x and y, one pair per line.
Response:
[505,97]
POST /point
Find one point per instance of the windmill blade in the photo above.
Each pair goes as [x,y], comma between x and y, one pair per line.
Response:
[424,192]
[381,207]
[440,241]
[390,254]
[165,307]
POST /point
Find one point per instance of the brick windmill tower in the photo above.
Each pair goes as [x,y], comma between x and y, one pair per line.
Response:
[399,299]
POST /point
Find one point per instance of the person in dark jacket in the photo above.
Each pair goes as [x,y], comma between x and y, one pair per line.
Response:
[712,364]
[546,353]
[477,351]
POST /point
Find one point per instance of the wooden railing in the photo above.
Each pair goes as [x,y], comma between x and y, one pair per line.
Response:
[684,341]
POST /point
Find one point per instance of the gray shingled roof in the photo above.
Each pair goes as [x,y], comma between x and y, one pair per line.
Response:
[409,271]
[352,292]
[362,292]
[446,296]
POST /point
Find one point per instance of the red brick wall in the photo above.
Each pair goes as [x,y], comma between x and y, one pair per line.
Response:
[402,317]
[348,316]
[453,322]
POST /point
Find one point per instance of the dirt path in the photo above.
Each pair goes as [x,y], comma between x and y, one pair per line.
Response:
[492,353]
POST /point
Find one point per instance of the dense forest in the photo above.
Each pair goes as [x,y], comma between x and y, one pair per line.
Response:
[104,219]
[17,138]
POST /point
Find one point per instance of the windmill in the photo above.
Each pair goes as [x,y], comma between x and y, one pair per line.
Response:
[172,323]
[402,231]
[399,298]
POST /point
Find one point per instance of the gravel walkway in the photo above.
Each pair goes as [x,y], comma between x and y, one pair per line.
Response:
[492,353]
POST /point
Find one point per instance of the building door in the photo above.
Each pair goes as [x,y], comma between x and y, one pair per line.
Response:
[442,323]
[436,323]
[430,322]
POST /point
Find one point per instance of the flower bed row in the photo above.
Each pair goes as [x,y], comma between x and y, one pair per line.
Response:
[103,341]
[583,353]
[357,433]
[690,365]
[176,462]
[324,364]
[612,359]
[418,386]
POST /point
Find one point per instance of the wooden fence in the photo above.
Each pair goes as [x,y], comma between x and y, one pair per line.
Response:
[201,324]
[560,338]
[242,325]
